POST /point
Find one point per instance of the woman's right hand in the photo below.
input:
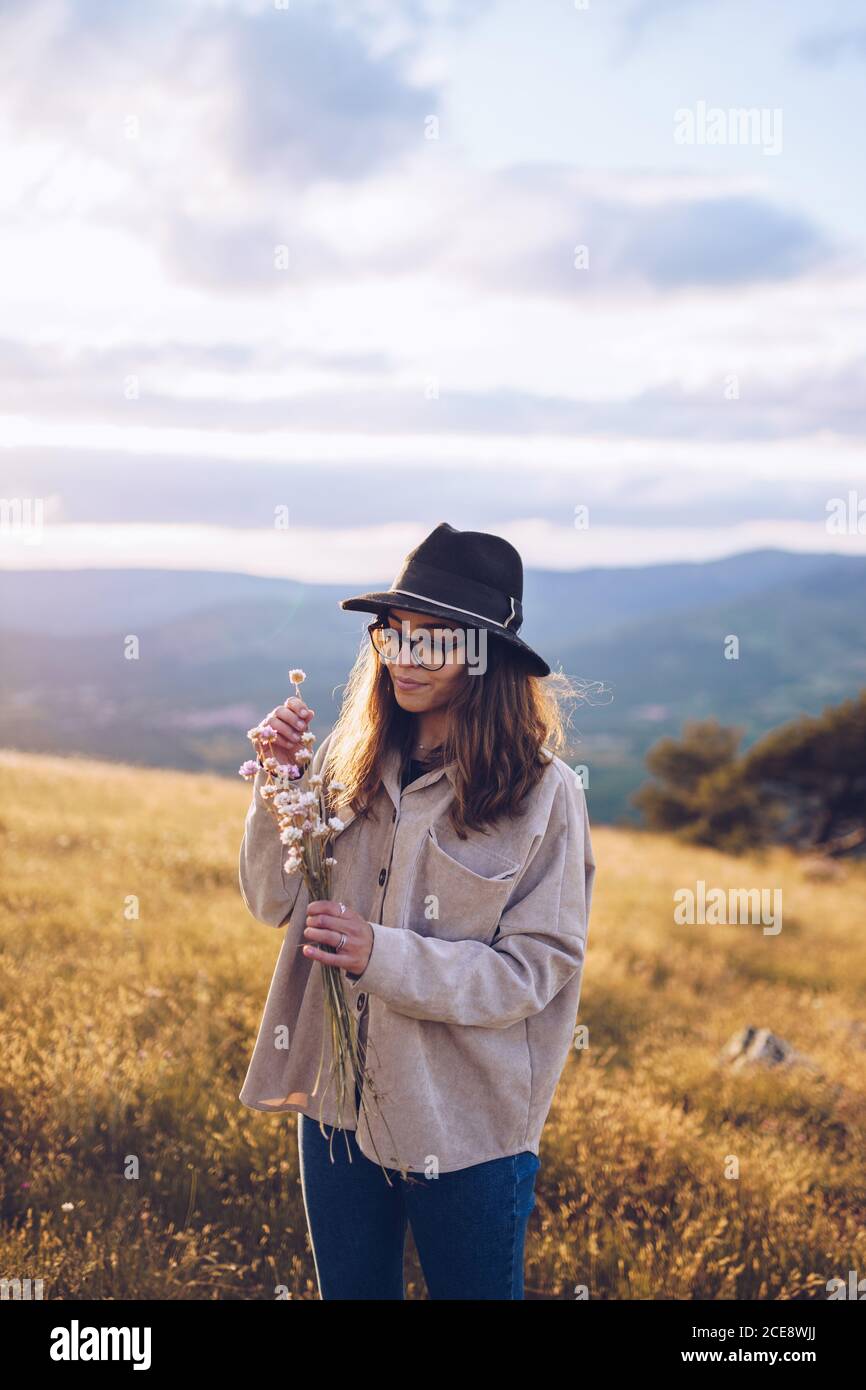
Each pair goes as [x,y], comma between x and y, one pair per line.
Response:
[290,721]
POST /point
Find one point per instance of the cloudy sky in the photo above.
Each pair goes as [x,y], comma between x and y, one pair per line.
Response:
[285,285]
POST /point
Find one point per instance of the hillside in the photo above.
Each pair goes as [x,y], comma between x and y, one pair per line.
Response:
[131,1037]
[214,650]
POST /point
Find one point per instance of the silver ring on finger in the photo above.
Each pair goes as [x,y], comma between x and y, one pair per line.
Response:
[342,941]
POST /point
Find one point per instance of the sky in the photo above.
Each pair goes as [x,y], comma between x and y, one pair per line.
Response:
[285,285]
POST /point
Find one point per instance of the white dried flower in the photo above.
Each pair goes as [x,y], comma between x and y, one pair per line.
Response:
[336,824]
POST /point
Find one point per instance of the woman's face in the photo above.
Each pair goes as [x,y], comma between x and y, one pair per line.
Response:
[417,689]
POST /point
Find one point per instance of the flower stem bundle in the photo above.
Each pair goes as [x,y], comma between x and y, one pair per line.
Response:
[300,803]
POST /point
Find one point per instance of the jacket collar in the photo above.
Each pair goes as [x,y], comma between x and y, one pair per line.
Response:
[391,774]
[391,782]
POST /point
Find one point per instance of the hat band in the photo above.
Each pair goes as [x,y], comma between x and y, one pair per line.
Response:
[408,593]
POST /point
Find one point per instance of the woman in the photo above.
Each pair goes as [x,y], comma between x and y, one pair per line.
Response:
[461,899]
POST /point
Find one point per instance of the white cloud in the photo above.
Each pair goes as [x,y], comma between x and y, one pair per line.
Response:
[431,319]
[365,555]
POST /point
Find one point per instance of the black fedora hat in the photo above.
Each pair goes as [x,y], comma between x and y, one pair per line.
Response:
[470,577]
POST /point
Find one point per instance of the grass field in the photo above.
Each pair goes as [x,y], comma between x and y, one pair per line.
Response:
[664,1173]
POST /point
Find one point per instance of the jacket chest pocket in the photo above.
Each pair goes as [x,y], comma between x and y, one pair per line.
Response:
[453,902]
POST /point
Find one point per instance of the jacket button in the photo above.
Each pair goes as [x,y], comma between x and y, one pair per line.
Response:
[382,876]
[362,999]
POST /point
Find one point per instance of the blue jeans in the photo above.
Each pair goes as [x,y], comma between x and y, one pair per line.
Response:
[469,1226]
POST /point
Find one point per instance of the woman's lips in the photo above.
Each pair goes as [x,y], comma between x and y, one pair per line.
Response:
[403,684]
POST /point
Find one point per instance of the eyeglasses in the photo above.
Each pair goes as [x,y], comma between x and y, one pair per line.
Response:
[429,648]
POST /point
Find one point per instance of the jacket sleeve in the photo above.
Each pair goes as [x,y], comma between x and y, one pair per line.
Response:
[268,891]
[540,945]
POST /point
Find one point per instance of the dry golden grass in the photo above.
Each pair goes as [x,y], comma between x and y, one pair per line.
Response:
[131,1038]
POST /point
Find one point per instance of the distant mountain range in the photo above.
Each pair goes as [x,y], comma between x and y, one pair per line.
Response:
[215,649]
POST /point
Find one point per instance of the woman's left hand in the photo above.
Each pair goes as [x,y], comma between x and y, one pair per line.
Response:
[326,924]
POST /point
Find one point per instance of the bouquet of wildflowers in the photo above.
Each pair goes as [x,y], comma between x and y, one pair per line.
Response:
[300,806]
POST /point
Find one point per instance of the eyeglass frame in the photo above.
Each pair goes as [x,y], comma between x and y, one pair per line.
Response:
[383,622]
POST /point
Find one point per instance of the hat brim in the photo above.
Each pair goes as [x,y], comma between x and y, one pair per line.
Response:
[373,603]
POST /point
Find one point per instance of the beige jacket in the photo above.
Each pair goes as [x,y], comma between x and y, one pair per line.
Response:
[469,1000]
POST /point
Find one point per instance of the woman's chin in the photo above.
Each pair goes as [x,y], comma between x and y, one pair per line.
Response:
[411,699]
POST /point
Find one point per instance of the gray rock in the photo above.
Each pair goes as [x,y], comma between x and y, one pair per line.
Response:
[758,1045]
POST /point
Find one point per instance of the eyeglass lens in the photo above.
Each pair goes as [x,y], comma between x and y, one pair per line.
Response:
[429,647]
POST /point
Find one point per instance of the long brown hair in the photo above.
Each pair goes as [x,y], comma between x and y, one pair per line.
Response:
[499,723]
